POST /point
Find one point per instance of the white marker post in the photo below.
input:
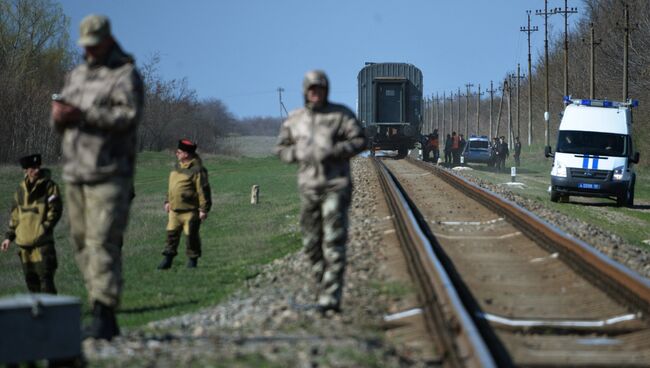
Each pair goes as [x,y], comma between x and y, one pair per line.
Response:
[255,194]
[513,174]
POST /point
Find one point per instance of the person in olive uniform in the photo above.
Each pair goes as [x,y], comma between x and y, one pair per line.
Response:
[35,211]
[188,202]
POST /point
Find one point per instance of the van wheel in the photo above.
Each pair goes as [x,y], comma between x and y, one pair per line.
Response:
[402,152]
[555,196]
[630,194]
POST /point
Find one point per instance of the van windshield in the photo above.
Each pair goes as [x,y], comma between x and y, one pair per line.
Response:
[592,143]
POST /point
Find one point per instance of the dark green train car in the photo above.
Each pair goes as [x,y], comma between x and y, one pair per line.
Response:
[390,105]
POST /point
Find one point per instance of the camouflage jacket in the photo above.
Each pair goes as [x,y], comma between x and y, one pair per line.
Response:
[189,188]
[35,211]
[110,96]
[321,141]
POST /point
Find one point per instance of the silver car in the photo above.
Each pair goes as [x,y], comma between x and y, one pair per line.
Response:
[477,150]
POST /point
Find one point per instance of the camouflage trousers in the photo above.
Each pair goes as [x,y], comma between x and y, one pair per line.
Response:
[188,223]
[324,225]
[98,215]
[39,265]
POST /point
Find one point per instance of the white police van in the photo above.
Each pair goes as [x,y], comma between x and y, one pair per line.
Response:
[594,153]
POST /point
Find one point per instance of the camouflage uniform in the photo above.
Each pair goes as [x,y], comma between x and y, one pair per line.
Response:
[189,193]
[98,166]
[322,140]
[35,211]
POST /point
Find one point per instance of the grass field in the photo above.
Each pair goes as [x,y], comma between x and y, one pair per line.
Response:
[237,237]
[633,224]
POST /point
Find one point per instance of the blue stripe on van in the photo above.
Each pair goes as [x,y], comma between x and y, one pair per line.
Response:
[585,162]
[594,165]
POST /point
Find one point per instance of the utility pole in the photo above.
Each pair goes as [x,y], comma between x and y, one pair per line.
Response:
[528,31]
[503,96]
[451,112]
[592,51]
[547,117]
[626,43]
[510,112]
[426,115]
[280,90]
[518,77]
[437,99]
[491,90]
[444,102]
[478,109]
[468,85]
[625,52]
[458,118]
[566,11]
[430,123]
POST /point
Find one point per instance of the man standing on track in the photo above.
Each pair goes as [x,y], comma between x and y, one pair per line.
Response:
[98,112]
[322,137]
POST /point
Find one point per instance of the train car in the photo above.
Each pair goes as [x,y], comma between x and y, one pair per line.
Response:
[390,105]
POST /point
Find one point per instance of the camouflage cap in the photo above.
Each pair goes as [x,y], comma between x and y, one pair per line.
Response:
[314,78]
[93,30]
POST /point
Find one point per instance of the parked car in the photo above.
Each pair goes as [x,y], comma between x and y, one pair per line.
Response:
[477,150]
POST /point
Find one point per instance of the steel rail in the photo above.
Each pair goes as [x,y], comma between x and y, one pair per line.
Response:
[445,313]
[610,276]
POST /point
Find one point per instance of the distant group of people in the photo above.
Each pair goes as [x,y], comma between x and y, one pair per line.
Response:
[430,146]
[454,145]
[499,152]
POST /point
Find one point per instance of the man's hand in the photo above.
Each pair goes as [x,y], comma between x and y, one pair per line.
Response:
[203,215]
[166,206]
[63,113]
[5,245]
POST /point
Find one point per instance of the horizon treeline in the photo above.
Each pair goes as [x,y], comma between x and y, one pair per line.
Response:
[35,54]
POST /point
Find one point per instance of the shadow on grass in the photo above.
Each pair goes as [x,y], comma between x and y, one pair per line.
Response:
[608,203]
[593,204]
[520,170]
[156,308]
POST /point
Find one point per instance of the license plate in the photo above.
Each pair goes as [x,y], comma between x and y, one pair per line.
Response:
[588,186]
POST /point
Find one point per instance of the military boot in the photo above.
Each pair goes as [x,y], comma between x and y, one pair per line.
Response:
[166,262]
[104,324]
[192,262]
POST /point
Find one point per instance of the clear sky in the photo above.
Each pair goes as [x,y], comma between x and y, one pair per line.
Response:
[241,51]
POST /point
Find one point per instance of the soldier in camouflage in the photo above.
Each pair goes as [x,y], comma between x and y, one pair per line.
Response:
[97,113]
[188,202]
[35,211]
[321,138]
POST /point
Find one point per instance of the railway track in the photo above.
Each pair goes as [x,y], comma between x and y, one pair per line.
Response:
[501,288]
